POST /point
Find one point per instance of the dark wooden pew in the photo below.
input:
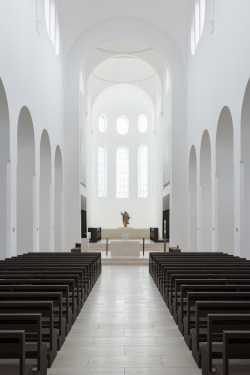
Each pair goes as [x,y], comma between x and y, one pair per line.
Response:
[63,289]
[13,343]
[176,297]
[49,270]
[205,272]
[49,278]
[194,297]
[200,331]
[204,291]
[49,333]
[161,265]
[236,345]
[52,268]
[212,348]
[34,348]
[56,298]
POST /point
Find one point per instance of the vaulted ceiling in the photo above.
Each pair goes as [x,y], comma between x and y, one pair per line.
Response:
[172,16]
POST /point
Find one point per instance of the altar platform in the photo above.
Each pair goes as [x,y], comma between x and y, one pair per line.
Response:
[149,246]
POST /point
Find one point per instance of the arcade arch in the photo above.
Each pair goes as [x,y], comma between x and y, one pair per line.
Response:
[192,200]
[245,178]
[225,182]
[45,193]
[25,182]
[4,159]
[205,195]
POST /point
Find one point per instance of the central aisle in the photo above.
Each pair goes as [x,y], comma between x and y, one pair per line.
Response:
[124,328]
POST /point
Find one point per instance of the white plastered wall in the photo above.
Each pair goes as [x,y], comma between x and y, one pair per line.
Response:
[32,76]
[217,77]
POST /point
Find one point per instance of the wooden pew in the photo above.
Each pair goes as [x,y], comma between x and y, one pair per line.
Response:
[194,297]
[221,280]
[213,347]
[55,269]
[236,345]
[49,278]
[34,348]
[204,291]
[205,272]
[49,333]
[203,309]
[56,298]
[63,289]
[12,343]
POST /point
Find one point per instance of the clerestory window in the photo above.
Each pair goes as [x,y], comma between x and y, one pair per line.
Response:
[122,172]
[143,171]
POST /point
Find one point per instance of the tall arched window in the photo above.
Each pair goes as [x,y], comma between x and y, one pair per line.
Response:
[143,171]
[142,123]
[197,23]
[122,125]
[52,23]
[122,172]
[102,171]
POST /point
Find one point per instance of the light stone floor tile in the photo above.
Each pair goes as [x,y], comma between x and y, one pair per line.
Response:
[162,371]
[86,371]
[178,361]
[124,328]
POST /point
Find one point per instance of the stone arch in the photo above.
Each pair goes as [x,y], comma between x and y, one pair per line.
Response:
[25,182]
[92,39]
[4,160]
[245,174]
[225,182]
[45,193]
[205,195]
[192,200]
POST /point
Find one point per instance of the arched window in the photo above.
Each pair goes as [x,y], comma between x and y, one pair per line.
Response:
[142,123]
[122,125]
[102,171]
[52,23]
[122,172]
[197,23]
[143,171]
[103,123]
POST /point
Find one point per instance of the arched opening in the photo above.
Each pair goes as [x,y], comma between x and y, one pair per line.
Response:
[58,200]
[225,182]
[205,219]
[192,200]
[25,175]
[4,157]
[245,174]
[45,193]
[159,44]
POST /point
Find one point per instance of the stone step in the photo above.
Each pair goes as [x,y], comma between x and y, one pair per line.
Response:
[125,261]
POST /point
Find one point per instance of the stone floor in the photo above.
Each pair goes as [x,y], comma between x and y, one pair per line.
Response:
[124,328]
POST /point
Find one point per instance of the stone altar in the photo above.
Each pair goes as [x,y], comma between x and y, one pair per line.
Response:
[124,248]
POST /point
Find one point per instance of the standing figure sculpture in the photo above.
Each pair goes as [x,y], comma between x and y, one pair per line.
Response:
[125,218]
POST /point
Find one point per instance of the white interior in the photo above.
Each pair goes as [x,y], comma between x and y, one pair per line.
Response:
[124,58]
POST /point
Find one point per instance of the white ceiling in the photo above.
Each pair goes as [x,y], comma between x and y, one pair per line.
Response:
[172,16]
[124,69]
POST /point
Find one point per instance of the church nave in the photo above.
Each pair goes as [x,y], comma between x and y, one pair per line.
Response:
[124,328]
